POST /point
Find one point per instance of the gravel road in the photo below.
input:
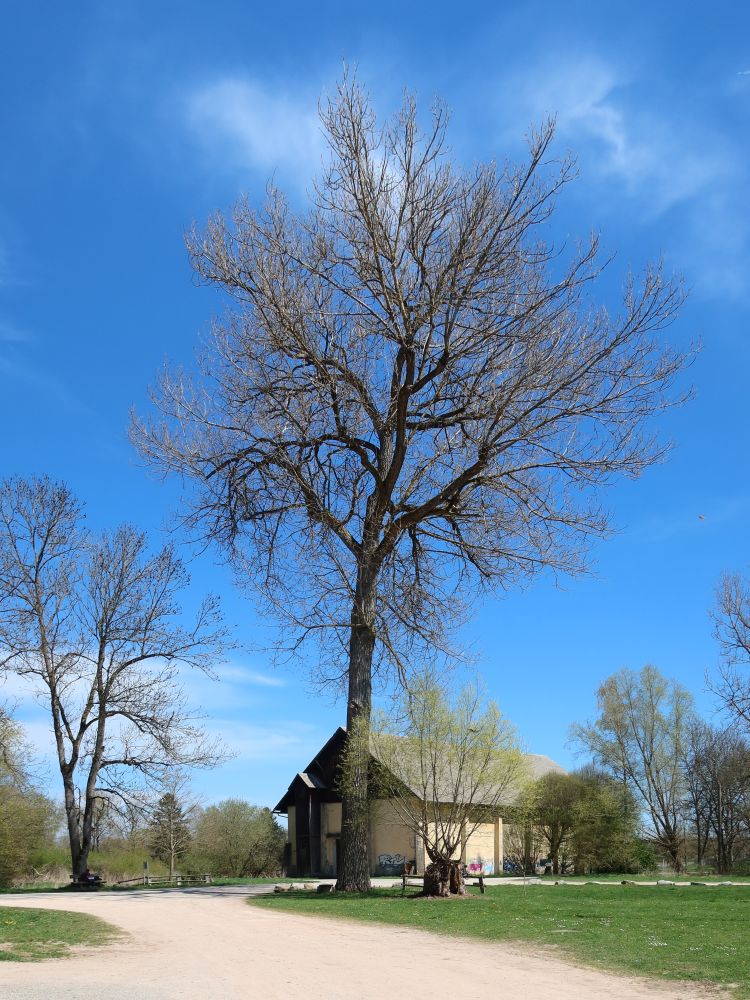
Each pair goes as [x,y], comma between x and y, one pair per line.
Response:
[207,944]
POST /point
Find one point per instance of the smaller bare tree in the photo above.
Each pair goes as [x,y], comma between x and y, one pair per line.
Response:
[94,625]
[446,764]
[640,738]
[732,629]
[719,770]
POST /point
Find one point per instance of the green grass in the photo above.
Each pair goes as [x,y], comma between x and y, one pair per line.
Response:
[648,877]
[695,934]
[28,935]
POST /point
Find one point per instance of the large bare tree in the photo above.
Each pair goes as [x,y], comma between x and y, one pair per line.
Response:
[411,393]
[94,625]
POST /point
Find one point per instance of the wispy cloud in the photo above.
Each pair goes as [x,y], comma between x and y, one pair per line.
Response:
[249,126]
[6,275]
[241,675]
[706,515]
[282,741]
[30,375]
[663,157]
[636,144]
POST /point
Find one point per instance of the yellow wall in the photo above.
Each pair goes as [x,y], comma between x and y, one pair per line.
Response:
[391,842]
[481,849]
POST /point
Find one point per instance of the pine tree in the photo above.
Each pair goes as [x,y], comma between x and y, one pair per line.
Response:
[170,835]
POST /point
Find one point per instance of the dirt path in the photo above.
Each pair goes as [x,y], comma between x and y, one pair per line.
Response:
[208,944]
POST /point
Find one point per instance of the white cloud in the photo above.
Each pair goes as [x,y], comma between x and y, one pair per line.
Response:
[281,741]
[662,156]
[644,149]
[251,127]
[238,674]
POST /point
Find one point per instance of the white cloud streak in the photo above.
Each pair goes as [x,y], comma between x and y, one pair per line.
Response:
[662,158]
[248,126]
[286,740]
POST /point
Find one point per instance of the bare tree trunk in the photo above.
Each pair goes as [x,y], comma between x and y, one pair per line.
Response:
[354,869]
[672,844]
[78,856]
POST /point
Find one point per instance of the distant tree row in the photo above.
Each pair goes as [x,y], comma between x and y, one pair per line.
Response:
[232,837]
[581,822]
[689,780]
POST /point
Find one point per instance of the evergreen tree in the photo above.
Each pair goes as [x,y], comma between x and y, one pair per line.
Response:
[170,836]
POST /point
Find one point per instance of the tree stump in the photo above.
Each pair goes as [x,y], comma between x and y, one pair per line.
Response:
[444,878]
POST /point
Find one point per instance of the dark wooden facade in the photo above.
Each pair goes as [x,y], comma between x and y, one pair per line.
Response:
[307,793]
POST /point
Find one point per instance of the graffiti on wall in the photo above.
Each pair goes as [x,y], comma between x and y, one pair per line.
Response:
[390,864]
[478,866]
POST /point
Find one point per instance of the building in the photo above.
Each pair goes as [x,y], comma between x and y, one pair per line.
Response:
[313,810]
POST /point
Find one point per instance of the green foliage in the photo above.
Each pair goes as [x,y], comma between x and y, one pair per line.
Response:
[586,819]
[606,817]
[28,820]
[28,935]
[169,835]
[645,858]
[690,933]
[640,738]
[446,759]
[237,838]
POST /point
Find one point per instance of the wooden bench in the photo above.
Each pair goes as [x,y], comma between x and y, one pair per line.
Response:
[409,878]
[89,884]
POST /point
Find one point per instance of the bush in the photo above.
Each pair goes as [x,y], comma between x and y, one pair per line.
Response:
[237,838]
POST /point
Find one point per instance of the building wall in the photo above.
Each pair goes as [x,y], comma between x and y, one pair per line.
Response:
[482,853]
[330,830]
[391,842]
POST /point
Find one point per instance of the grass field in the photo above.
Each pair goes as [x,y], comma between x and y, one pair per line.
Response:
[696,934]
[32,935]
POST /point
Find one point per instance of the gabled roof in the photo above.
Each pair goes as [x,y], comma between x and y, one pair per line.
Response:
[311,777]
[538,765]
[535,766]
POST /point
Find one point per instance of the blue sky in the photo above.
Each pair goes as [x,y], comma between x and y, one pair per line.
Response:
[123,122]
